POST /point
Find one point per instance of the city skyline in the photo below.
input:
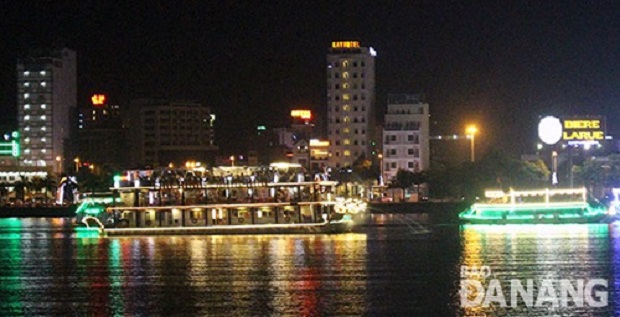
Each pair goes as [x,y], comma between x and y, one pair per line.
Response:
[498,65]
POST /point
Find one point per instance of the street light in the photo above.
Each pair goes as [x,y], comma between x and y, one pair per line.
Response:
[471,132]
[58,164]
[232,160]
[77,164]
[380,156]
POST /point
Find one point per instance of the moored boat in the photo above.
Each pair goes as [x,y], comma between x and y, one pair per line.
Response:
[571,205]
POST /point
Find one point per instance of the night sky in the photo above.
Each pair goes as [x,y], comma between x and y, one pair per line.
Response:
[500,64]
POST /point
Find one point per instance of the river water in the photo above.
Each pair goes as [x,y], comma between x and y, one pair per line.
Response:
[399,265]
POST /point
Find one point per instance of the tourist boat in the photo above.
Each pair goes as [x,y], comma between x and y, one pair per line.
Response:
[216,208]
[570,205]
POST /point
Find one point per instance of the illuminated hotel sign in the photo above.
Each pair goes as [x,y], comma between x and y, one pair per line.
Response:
[574,130]
[98,99]
[11,146]
[318,143]
[302,114]
[346,44]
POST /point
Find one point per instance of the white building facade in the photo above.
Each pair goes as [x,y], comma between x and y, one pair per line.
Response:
[350,102]
[46,92]
[405,135]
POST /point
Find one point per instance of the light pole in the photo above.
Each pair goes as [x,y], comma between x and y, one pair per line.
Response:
[471,132]
[232,160]
[380,156]
[77,164]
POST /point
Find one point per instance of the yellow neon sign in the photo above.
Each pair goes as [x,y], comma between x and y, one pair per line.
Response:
[346,44]
[98,99]
[303,114]
[582,129]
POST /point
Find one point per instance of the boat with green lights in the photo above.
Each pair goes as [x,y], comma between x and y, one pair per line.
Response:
[549,205]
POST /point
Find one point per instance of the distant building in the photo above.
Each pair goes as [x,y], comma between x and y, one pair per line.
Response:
[350,102]
[46,93]
[405,135]
[161,132]
[101,138]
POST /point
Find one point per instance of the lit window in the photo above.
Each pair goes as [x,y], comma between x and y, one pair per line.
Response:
[81,126]
[26,73]
[42,73]
[27,140]
[43,117]
[346,142]
[345,86]
[43,128]
[27,106]
[346,130]
[345,75]
[26,95]
[27,128]
[26,84]
[346,97]
[27,151]
[346,108]
[345,63]
[43,84]
[347,153]
[43,139]
[346,120]
[43,106]
[43,151]
[26,117]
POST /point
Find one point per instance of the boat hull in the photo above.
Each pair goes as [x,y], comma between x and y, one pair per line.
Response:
[541,220]
[304,228]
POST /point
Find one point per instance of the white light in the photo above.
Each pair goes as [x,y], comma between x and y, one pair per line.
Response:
[43,84]
[372,51]
[43,106]
[550,130]
[26,117]
[26,84]
[27,106]
[27,140]
[43,128]
[26,95]
[43,151]
[42,73]
[27,128]
[27,151]
[26,73]
[43,140]
[43,117]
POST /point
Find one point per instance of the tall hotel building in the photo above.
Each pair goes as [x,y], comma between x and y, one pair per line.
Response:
[350,101]
[46,92]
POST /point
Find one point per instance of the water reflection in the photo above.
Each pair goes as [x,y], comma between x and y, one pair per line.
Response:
[537,252]
[390,269]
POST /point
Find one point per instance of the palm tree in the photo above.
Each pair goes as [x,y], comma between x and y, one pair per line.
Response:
[50,185]
[4,192]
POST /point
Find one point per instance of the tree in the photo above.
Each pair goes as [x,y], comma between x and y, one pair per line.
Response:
[403,180]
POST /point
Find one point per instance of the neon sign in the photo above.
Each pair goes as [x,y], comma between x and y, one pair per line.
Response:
[302,114]
[98,99]
[346,44]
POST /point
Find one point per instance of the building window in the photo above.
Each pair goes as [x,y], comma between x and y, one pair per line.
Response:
[346,130]
[336,86]
[26,95]
[392,137]
[393,164]
[345,86]
[410,164]
[43,117]
[43,84]
[354,64]
[392,152]
[347,153]
[26,73]
[346,97]
[345,75]
[345,63]
[410,137]
[27,106]
[42,73]
[26,117]
[346,142]
[346,120]
[363,131]
[346,108]
[410,151]
[337,142]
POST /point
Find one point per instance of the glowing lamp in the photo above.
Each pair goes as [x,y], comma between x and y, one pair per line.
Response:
[302,114]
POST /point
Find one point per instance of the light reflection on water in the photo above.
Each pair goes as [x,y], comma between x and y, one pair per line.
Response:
[388,269]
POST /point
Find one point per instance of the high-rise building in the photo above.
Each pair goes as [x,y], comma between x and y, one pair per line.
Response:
[161,132]
[405,135]
[101,138]
[46,93]
[350,102]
